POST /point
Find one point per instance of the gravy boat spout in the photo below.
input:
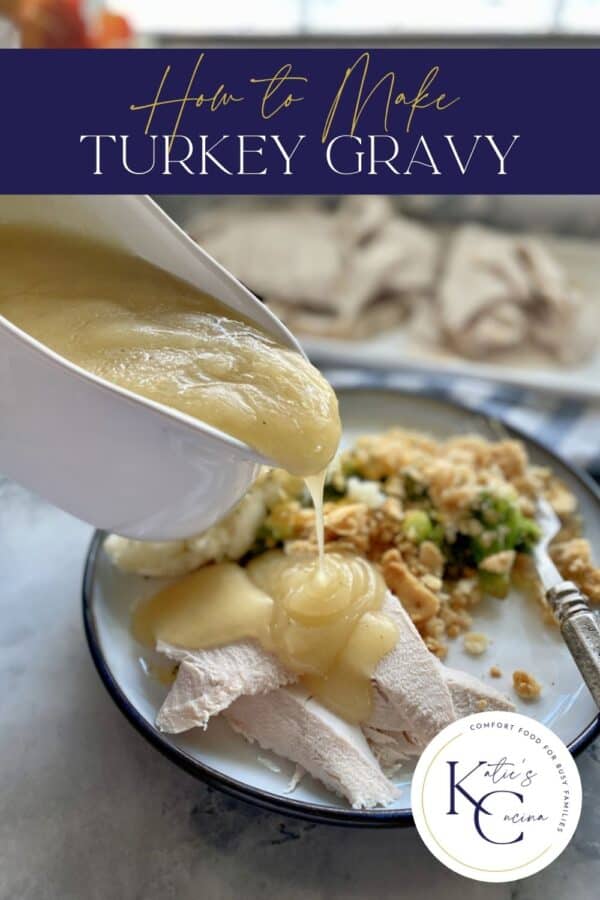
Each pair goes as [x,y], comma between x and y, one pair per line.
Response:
[110,457]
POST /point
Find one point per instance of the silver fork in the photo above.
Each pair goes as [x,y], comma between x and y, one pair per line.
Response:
[579,625]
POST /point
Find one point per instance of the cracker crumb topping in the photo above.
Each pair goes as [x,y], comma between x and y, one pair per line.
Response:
[526,686]
[475,643]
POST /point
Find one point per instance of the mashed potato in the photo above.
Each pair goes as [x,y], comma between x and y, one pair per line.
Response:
[231,538]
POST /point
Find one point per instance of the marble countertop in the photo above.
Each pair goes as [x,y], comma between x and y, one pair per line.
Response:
[89,810]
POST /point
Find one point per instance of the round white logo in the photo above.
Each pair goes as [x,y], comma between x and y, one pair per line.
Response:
[496,796]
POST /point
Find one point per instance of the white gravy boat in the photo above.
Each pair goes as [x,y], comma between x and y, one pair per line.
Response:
[110,457]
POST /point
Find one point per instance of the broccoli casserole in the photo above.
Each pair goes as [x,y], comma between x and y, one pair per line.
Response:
[446,522]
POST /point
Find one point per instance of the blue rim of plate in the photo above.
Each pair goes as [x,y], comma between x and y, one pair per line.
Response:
[322,814]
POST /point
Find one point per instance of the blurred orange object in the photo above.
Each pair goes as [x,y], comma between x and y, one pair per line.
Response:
[52,23]
[61,24]
[110,30]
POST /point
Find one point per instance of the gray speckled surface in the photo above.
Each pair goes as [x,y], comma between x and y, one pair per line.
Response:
[89,810]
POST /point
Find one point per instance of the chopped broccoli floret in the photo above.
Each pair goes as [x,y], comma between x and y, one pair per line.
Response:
[510,529]
[437,534]
[417,525]
[349,468]
[262,542]
[330,492]
[496,584]
[413,489]
[504,527]
[278,526]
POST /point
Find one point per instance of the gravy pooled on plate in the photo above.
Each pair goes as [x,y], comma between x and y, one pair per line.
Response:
[323,623]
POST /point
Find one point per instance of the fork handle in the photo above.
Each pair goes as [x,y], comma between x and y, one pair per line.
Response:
[580,628]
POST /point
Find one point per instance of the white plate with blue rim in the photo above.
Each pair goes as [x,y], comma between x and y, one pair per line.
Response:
[519,640]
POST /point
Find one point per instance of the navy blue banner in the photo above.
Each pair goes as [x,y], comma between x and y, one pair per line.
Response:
[300,121]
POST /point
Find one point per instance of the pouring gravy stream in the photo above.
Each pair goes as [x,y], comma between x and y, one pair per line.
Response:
[132,324]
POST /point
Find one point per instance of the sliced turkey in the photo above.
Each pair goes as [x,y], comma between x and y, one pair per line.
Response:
[470,695]
[341,271]
[501,292]
[208,681]
[297,727]
[409,692]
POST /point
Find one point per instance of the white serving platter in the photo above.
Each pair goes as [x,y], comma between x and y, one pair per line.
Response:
[397,348]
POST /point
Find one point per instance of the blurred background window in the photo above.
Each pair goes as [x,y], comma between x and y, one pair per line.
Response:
[581,15]
[348,17]
[181,17]
[121,23]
